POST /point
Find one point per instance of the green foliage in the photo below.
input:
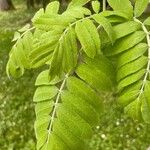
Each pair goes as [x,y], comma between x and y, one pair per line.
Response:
[76,105]
[140,6]
[86,31]
[15,110]
[16,107]
[123,5]
[147,21]
[88,55]
[75,3]
[96,6]
[16,63]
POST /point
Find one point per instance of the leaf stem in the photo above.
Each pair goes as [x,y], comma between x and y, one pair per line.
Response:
[104,5]
[104,8]
[30,29]
[72,24]
[27,31]
[55,106]
[148,64]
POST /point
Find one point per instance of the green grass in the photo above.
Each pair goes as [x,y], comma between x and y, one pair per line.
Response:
[16,107]
[115,132]
[118,132]
[15,19]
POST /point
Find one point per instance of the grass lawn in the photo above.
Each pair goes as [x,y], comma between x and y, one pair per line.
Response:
[16,107]
[115,132]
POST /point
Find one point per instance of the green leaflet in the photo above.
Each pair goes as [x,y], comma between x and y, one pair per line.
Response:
[53,7]
[115,16]
[102,63]
[56,63]
[122,5]
[129,94]
[44,93]
[97,79]
[65,55]
[132,54]
[48,20]
[14,67]
[64,128]
[145,108]
[140,6]
[43,109]
[19,56]
[96,6]
[83,91]
[133,109]
[25,28]
[131,79]
[17,36]
[106,25]
[43,48]
[85,110]
[70,55]
[53,21]
[125,43]
[75,3]
[116,13]
[44,79]
[76,12]
[132,102]
[128,97]
[126,28]
[121,30]
[131,67]
[147,21]
[95,74]
[88,37]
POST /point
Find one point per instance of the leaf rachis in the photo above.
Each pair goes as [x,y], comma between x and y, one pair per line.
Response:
[148,64]
[55,106]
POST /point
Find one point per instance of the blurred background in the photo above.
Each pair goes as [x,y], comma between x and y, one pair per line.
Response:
[115,132]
